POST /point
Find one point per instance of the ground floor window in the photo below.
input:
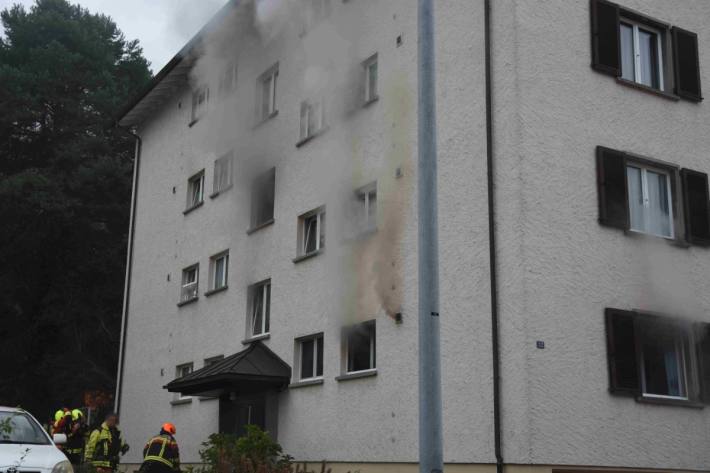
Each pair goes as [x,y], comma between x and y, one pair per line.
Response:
[310,353]
[360,347]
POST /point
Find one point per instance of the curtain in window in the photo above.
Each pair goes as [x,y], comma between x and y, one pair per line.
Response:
[636,208]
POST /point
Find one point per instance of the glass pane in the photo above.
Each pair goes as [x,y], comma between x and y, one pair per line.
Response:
[267,310]
[319,356]
[257,320]
[372,210]
[648,55]
[266,97]
[322,231]
[663,362]
[359,349]
[219,279]
[636,208]
[307,359]
[659,218]
[310,225]
[305,112]
[372,80]
[627,52]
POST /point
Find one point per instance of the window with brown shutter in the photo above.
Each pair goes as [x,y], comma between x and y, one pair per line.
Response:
[702,334]
[696,200]
[605,37]
[622,352]
[686,64]
[612,186]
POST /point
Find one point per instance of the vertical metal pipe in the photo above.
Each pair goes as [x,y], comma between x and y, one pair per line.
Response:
[430,424]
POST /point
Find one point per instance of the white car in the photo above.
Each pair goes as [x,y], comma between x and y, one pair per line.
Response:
[26,448]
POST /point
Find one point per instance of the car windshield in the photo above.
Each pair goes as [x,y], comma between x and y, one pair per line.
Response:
[20,428]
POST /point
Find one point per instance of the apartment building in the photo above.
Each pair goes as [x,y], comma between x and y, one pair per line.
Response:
[272,275]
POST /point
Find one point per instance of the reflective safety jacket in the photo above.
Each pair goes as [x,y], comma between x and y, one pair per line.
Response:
[105,444]
[75,439]
[163,449]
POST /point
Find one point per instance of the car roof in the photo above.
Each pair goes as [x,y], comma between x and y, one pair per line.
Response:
[11,409]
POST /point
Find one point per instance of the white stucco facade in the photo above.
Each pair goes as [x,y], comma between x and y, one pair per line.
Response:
[558,267]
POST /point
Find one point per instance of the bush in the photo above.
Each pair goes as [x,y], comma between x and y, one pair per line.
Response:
[255,452]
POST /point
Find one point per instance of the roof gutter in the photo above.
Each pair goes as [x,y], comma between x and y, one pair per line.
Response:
[497,437]
[129,270]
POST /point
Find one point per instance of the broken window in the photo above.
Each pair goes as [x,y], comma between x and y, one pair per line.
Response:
[190,280]
[262,199]
[360,347]
[311,357]
[260,308]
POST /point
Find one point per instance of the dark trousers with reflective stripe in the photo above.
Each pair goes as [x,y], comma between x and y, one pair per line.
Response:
[155,467]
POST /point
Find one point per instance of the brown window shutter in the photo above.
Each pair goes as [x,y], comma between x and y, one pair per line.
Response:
[612,188]
[696,203]
[621,352]
[702,335]
[686,64]
[605,37]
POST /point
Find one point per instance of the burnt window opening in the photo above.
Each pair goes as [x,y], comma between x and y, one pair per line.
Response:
[360,348]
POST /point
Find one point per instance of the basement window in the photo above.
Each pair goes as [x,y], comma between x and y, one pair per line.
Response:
[311,232]
[360,348]
[190,283]
[195,191]
[310,358]
[266,98]
[370,79]
[259,309]
[222,174]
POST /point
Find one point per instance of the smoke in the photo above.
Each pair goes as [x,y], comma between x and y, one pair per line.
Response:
[365,270]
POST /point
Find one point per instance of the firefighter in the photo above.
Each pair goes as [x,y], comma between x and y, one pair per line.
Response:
[161,453]
[74,448]
[105,445]
[62,421]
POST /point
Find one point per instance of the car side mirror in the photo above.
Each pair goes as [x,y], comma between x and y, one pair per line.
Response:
[59,439]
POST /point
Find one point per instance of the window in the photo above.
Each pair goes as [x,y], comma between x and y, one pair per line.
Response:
[367,199]
[360,348]
[259,309]
[200,98]
[635,48]
[654,357]
[219,271]
[312,121]
[311,232]
[267,93]
[314,11]
[262,199]
[310,357]
[641,54]
[227,80]
[222,174]
[370,67]
[212,360]
[190,283]
[180,372]
[195,190]
[650,202]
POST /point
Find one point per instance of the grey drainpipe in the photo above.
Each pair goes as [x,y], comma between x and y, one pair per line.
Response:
[497,438]
[129,270]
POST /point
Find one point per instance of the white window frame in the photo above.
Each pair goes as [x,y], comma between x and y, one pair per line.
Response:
[180,374]
[319,214]
[273,74]
[227,80]
[314,338]
[199,107]
[367,65]
[635,25]
[645,197]
[196,179]
[185,286]
[683,338]
[309,108]
[214,260]
[368,214]
[372,330]
[265,288]
[223,166]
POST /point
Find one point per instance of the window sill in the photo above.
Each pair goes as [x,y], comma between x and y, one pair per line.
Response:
[215,291]
[216,194]
[675,241]
[357,375]
[268,118]
[315,135]
[206,398]
[310,255]
[260,226]
[258,338]
[669,402]
[180,402]
[647,89]
[192,123]
[188,301]
[190,209]
[306,383]
[374,99]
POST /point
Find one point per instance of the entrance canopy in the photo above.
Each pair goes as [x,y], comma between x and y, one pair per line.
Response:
[253,370]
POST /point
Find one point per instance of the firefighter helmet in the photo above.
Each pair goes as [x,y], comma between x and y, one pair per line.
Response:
[169,428]
[76,414]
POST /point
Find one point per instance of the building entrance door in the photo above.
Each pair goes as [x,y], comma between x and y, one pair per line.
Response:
[236,414]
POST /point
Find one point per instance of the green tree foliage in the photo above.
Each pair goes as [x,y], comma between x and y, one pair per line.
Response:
[254,452]
[65,179]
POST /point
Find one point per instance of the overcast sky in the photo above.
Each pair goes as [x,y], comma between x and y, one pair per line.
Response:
[162,26]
